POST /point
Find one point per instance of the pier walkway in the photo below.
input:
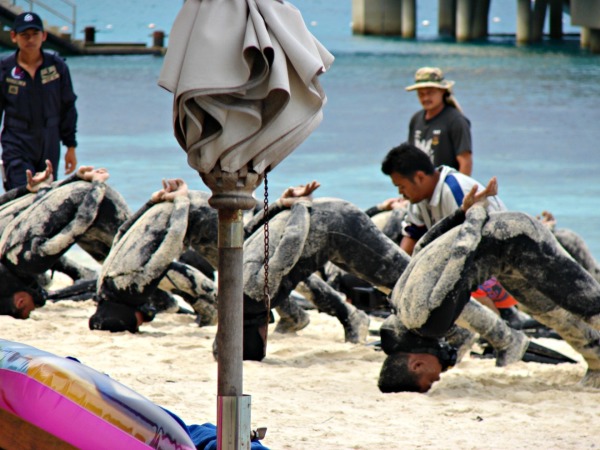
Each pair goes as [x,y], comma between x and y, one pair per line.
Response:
[63,42]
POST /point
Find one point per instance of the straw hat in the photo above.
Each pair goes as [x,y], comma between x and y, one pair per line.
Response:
[430,77]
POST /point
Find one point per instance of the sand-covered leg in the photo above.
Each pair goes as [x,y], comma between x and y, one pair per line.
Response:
[73,269]
[461,339]
[195,288]
[510,344]
[332,302]
[292,317]
[581,336]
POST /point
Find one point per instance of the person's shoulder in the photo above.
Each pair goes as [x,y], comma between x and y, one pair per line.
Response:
[452,112]
[7,58]
[454,179]
[420,114]
[454,115]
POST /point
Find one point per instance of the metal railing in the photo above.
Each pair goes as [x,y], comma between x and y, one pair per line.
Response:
[69,4]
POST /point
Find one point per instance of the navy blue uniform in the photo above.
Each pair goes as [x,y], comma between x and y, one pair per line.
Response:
[38,113]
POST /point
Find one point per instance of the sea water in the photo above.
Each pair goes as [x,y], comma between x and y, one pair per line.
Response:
[533,109]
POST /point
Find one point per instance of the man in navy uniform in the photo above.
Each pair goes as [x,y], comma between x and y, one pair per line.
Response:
[38,104]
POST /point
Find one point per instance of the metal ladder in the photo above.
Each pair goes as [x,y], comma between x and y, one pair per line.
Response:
[65,10]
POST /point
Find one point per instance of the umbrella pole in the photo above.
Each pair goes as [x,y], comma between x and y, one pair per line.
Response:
[233,423]
[232,193]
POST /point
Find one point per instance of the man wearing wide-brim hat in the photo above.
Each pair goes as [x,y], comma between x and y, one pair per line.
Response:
[440,129]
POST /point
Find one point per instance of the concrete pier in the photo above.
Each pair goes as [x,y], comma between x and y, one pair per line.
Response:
[587,15]
[379,17]
[467,20]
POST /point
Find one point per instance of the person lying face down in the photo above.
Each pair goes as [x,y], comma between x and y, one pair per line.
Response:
[141,265]
[112,210]
[302,238]
[433,292]
[37,238]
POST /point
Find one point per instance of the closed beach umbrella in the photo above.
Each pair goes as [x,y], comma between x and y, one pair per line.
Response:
[243,74]
[244,78]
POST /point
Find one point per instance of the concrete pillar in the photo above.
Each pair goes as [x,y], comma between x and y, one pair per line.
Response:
[447,18]
[479,29]
[539,17]
[358,17]
[595,40]
[89,35]
[464,16]
[409,18]
[380,17]
[584,38]
[158,39]
[523,21]
[556,15]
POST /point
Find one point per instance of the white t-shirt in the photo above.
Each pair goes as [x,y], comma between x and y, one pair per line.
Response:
[447,197]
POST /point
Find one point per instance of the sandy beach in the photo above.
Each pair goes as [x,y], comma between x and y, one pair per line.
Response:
[313,391]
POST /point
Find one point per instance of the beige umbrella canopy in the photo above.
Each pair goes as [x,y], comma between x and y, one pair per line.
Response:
[244,78]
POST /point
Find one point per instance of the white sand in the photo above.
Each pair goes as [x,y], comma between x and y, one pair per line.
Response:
[313,391]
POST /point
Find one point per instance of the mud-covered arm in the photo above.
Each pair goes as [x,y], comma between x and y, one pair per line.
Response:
[86,214]
[289,197]
[70,179]
[447,223]
[182,278]
[259,219]
[13,194]
[284,256]
[474,197]
[172,244]
[133,219]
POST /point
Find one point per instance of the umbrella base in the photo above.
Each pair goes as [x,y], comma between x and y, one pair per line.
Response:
[233,425]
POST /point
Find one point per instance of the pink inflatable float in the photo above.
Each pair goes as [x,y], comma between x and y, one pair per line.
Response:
[80,405]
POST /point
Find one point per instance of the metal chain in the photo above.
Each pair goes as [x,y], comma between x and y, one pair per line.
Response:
[266,291]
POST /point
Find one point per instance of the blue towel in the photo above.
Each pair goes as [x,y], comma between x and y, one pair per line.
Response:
[204,436]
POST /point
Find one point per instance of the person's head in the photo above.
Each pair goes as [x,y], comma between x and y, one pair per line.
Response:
[28,31]
[19,297]
[411,171]
[414,362]
[115,317]
[432,89]
[409,372]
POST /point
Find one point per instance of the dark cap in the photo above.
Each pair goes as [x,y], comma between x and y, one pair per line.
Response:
[27,20]
[114,317]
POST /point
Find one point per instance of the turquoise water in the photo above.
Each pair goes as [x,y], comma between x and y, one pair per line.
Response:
[533,110]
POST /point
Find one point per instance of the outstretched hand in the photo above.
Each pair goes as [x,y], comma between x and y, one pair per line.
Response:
[172,188]
[474,197]
[100,175]
[85,173]
[393,203]
[295,193]
[548,219]
[88,173]
[40,179]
